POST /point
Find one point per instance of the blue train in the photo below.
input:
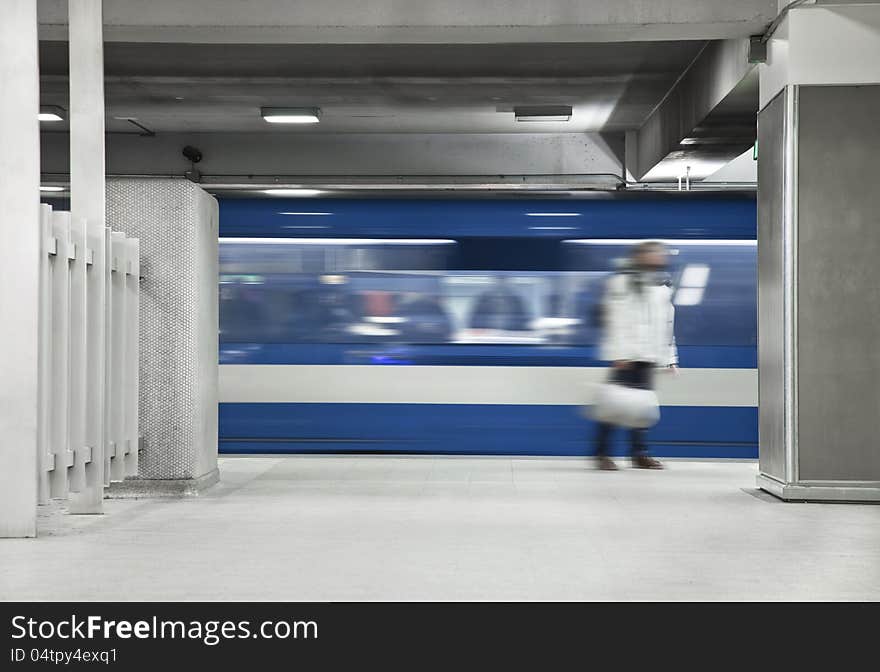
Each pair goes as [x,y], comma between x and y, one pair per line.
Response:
[468,326]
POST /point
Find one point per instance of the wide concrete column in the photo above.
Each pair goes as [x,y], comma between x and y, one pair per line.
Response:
[818,255]
[176,222]
[19,260]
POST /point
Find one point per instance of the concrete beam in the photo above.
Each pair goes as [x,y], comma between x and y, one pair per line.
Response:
[837,44]
[452,21]
[366,154]
[713,75]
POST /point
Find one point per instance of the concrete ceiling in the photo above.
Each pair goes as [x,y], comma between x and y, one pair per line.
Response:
[417,21]
[377,88]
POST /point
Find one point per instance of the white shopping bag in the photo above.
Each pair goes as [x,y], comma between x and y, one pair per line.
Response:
[625,406]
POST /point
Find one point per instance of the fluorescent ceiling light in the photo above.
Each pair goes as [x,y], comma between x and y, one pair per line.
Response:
[307,214]
[51,188]
[293,192]
[552,228]
[680,243]
[51,113]
[291,115]
[542,113]
[338,241]
[553,214]
[305,226]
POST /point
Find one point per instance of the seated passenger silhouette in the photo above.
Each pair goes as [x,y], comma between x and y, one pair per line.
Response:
[500,308]
[241,315]
[426,319]
[332,308]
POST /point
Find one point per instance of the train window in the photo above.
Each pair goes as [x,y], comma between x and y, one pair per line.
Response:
[439,291]
[691,285]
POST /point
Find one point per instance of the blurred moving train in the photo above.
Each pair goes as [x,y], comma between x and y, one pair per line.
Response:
[469,326]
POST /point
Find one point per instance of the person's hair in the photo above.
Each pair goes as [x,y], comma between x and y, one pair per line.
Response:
[646,247]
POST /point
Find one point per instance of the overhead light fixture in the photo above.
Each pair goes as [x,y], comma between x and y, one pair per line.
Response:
[291,115]
[297,193]
[307,214]
[51,188]
[542,113]
[553,214]
[51,113]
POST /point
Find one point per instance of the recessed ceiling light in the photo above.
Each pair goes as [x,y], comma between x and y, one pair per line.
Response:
[553,214]
[291,115]
[51,113]
[307,214]
[542,113]
[50,188]
[293,192]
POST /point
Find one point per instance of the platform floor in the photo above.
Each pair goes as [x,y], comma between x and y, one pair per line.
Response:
[426,528]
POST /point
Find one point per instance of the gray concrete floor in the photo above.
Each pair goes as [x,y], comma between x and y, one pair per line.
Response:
[434,528]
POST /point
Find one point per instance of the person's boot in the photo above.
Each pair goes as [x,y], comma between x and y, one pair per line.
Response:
[605,463]
[646,462]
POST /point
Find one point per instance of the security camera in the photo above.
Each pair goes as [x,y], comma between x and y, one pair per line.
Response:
[192,153]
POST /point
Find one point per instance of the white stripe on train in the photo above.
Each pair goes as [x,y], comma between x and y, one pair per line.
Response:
[526,385]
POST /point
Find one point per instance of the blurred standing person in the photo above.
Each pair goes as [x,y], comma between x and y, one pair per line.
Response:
[638,324]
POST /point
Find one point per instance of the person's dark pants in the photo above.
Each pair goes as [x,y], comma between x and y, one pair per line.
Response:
[637,374]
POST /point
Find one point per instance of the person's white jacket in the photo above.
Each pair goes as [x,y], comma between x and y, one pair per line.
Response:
[638,325]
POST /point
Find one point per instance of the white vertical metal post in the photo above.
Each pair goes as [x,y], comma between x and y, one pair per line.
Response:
[132,353]
[59,401]
[78,330]
[44,456]
[87,203]
[116,362]
[19,267]
[109,448]
[95,367]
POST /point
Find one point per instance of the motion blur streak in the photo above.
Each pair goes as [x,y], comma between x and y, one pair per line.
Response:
[460,327]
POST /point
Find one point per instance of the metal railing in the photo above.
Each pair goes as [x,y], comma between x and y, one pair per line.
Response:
[88,359]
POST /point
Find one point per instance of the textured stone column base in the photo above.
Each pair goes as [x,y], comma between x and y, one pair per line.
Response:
[140,488]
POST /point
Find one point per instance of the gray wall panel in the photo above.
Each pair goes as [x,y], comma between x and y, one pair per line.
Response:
[838,284]
[771,174]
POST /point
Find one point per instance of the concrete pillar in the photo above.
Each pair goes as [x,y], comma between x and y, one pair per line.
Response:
[818,253]
[177,224]
[19,259]
[87,203]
